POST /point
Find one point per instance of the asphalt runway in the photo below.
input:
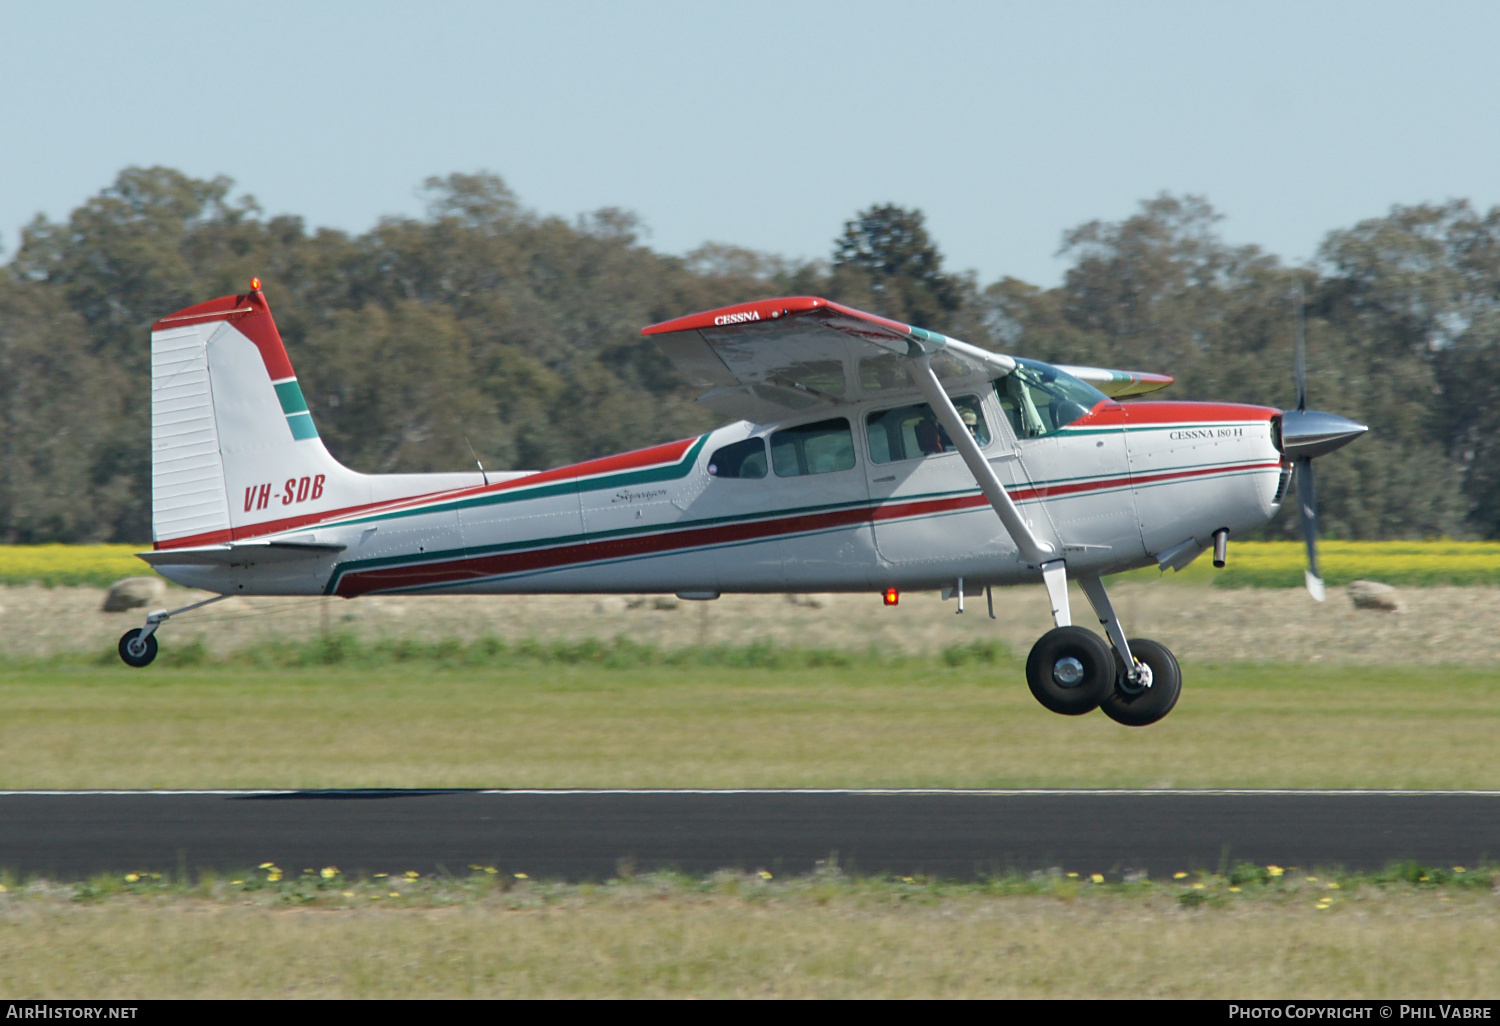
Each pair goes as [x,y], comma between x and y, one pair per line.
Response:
[581,835]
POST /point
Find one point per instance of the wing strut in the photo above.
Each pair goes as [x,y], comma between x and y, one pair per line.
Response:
[1033,549]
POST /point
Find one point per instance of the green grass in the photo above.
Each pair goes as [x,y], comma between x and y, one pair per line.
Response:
[592,714]
[1247,933]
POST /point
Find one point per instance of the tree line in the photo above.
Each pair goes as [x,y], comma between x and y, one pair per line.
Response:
[486,326]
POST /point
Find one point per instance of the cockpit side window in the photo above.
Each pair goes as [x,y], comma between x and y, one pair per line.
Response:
[1038,399]
[909,432]
[742,459]
[819,448]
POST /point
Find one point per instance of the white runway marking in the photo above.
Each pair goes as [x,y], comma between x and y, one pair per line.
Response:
[853,791]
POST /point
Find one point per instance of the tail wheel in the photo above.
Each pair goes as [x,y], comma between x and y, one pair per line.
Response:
[136,650]
[1135,704]
[1070,670]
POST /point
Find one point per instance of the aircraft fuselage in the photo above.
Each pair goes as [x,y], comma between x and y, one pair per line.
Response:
[1112,491]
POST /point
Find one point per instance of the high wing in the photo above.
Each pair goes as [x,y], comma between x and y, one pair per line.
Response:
[781,355]
[1118,384]
[775,358]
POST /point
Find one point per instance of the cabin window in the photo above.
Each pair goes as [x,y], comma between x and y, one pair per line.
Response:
[1038,399]
[742,459]
[819,448]
[909,432]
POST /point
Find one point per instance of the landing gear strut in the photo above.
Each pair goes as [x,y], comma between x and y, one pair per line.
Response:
[1071,670]
[138,645]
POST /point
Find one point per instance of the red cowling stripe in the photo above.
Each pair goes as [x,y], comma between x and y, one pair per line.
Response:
[1142,414]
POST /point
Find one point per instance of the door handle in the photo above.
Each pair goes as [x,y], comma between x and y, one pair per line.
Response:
[891,477]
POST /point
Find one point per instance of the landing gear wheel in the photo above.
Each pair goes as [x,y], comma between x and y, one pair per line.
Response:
[1134,704]
[135,651]
[1070,670]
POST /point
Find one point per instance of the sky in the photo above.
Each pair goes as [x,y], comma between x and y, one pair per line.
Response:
[768,125]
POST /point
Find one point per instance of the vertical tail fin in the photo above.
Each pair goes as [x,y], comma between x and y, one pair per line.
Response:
[232,442]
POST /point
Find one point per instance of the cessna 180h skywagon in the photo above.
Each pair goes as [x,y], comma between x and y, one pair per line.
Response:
[864,455]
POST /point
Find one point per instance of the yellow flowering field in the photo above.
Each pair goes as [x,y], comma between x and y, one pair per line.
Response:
[1279,564]
[98,565]
[1251,564]
[1411,563]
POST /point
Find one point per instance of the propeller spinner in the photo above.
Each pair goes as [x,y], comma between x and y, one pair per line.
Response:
[1306,434]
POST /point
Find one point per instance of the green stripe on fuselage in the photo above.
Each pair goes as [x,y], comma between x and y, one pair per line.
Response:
[570,486]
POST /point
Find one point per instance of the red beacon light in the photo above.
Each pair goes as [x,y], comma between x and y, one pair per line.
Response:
[254,284]
[892,597]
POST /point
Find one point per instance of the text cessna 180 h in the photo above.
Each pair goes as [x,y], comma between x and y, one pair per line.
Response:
[865,455]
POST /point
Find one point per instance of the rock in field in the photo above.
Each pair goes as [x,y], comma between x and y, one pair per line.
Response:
[135,592]
[1374,595]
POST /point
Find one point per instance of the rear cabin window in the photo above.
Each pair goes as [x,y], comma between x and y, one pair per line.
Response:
[909,432]
[820,448]
[742,459]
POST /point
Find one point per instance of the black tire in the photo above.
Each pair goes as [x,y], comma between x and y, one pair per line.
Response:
[137,653]
[1052,681]
[1137,706]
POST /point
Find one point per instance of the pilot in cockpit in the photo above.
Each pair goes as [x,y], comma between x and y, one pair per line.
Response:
[932,439]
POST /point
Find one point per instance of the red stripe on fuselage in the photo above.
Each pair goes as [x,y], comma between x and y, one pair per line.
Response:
[501,564]
[457,571]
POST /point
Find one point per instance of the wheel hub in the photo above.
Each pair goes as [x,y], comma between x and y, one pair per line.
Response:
[1142,681]
[136,647]
[1067,671]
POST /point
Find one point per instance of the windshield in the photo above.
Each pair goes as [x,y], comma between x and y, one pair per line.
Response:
[1039,399]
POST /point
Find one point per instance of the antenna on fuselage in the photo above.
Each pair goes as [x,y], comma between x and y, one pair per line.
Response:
[476,462]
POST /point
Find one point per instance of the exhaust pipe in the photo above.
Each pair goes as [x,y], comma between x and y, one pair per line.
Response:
[1221,547]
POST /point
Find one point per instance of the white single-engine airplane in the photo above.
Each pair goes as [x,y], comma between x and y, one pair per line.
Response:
[865,455]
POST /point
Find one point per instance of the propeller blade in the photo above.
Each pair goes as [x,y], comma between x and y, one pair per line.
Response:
[1301,353]
[1307,504]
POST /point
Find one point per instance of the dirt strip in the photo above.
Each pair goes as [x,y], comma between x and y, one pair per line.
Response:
[1455,625]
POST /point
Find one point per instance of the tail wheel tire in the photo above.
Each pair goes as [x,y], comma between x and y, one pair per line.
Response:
[1136,706]
[135,650]
[1071,670]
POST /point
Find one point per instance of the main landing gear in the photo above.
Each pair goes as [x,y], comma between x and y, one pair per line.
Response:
[138,645]
[1072,671]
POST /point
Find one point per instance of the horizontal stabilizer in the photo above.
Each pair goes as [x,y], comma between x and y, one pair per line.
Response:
[1118,384]
[240,554]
